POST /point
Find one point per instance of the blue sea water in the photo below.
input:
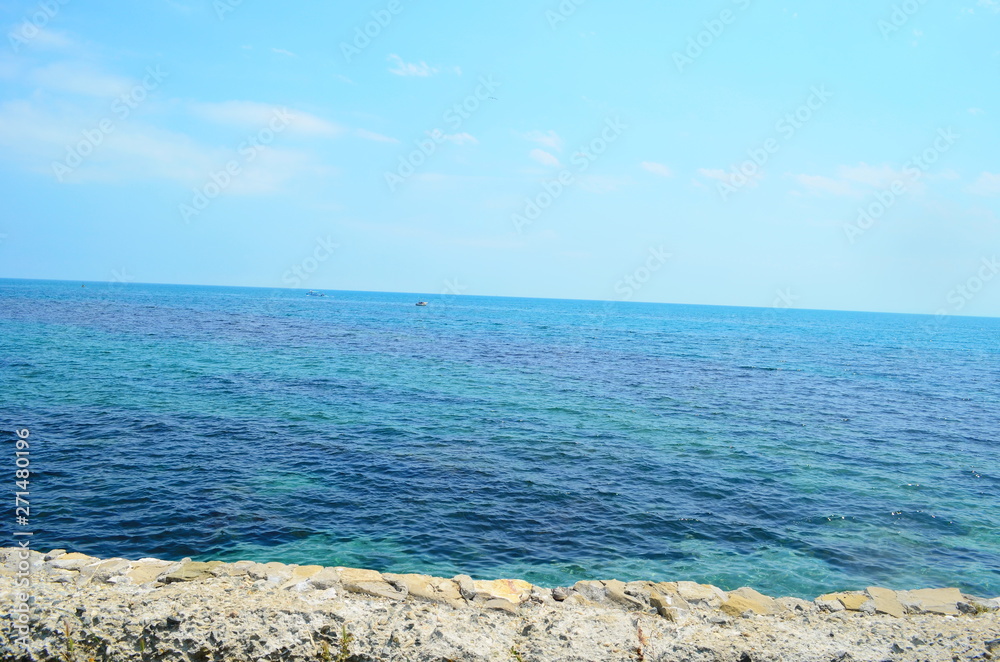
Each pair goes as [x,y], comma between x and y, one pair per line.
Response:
[795,451]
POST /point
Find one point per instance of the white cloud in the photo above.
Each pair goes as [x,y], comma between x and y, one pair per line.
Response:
[544,157]
[79,78]
[993,5]
[36,138]
[818,184]
[976,111]
[601,183]
[252,114]
[410,68]
[460,138]
[47,39]
[728,178]
[877,177]
[282,51]
[371,135]
[988,183]
[548,139]
[657,168]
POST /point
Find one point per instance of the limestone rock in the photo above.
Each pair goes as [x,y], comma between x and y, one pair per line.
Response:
[191,571]
[615,592]
[465,586]
[54,554]
[560,593]
[579,600]
[795,605]
[931,601]
[744,599]
[592,590]
[501,604]
[662,605]
[514,590]
[829,605]
[300,574]
[72,561]
[852,601]
[273,572]
[701,594]
[368,582]
[105,570]
[885,601]
[147,570]
[325,579]
[432,589]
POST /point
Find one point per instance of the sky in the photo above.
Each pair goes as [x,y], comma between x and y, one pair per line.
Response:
[812,154]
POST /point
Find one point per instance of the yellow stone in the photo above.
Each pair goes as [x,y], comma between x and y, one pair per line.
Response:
[885,601]
[853,601]
[513,590]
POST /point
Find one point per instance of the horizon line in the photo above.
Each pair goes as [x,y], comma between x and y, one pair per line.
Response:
[504,296]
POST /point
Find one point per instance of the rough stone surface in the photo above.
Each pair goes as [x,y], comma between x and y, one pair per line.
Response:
[701,594]
[885,601]
[931,600]
[241,613]
[746,599]
[512,590]
[191,571]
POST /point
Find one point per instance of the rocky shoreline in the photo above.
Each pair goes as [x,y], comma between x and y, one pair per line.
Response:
[83,608]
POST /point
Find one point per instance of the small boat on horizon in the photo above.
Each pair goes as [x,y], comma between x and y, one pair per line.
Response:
[314,293]
[421,303]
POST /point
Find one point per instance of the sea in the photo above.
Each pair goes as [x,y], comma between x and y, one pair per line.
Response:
[794,451]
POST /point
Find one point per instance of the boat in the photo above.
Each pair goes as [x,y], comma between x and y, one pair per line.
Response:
[421,303]
[314,293]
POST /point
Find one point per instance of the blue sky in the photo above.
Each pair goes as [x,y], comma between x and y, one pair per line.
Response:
[716,152]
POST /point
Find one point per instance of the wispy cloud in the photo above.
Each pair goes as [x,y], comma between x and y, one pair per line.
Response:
[78,78]
[282,51]
[252,114]
[34,137]
[988,183]
[410,68]
[548,139]
[821,185]
[725,177]
[657,168]
[460,138]
[371,135]
[543,157]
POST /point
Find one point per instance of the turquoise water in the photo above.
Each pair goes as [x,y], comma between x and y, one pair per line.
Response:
[793,451]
